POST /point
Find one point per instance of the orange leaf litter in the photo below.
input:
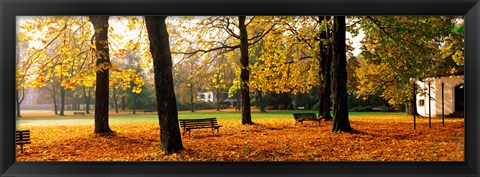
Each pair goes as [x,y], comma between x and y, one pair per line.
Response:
[377,139]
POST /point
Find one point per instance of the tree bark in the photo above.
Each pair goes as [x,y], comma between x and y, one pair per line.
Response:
[17,102]
[20,98]
[115,99]
[192,104]
[293,98]
[135,103]
[260,101]
[170,136]
[339,79]
[123,102]
[87,100]
[245,74]
[62,101]
[218,97]
[54,96]
[324,73]
[100,25]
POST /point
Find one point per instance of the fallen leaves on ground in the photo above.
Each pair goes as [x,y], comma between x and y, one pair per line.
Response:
[390,138]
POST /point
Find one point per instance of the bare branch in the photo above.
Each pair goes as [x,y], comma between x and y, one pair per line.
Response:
[250,21]
[290,62]
[261,35]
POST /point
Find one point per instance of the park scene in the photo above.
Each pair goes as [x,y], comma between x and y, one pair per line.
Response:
[240,88]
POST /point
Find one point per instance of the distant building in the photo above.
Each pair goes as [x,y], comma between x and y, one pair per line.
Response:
[206,97]
[211,96]
[453,96]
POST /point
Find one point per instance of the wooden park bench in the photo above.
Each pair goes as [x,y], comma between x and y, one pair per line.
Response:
[78,113]
[147,110]
[300,117]
[189,124]
[22,137]
[376,109]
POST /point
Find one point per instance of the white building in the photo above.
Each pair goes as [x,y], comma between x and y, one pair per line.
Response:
[453,96]
[206,97]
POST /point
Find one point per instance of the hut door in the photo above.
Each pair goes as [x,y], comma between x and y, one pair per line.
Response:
[459,98]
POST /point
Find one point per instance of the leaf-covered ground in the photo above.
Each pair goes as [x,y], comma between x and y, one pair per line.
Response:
[389,138]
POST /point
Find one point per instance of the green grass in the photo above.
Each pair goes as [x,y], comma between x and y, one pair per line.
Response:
[152,118]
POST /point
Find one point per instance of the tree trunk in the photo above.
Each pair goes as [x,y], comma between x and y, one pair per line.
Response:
[324,73]
[218,96]
[293,98]
[20,97]
[123,102]
[87,100]
[192,105]
[115,99]
[54,96]
[339,73]
[260,102]
[237,95]
[17,102]
[134,103]
[100,25]
[408,108]
[170,136]
[62,101]
[245,74]
[414,106]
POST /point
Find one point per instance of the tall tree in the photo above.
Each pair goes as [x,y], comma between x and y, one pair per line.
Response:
[62,101]
[21,89]
[170,136]
[54,97]
[60,52]
[245,74]
[222,37]
[339,77]
[397,48]
[87,95]
[100,25]
[325,60]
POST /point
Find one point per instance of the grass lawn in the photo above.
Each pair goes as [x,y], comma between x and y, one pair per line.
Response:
[274,137]
[46,118]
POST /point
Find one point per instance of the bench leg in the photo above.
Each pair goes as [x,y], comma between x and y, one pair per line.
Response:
[21,148]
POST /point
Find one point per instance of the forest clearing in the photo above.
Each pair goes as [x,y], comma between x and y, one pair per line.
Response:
[273,137]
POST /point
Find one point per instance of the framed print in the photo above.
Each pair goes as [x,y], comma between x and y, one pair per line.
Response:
[18,23]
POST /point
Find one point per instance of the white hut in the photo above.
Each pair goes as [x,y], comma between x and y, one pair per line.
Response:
[453,96]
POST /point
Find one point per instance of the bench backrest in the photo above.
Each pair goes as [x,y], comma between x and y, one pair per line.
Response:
[305,116]
[198,123]
[22,136]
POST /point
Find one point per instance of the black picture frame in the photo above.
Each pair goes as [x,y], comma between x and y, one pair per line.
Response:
[12,8]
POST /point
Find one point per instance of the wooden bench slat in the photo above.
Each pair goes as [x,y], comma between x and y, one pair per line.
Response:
[23,142]
[147,110]
[78,113]
[189,124]
[22,137]
[300,117]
